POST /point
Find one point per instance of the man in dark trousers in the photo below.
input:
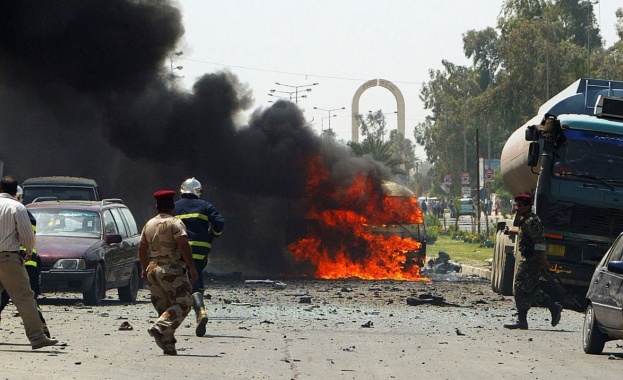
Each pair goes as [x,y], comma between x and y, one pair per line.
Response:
[16,230]
[167,270]
[203,223]
[531,257]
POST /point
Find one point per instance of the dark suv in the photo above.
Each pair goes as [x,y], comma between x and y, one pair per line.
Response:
[603,320]
[61,188]
[88,247]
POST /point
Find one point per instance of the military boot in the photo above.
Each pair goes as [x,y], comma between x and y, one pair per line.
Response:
[200,311]
[522,321]
[556,309]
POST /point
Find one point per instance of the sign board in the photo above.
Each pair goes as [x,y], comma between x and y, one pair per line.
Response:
[466,191]
[465,178]
[488,175]
[447,180]
[484,164]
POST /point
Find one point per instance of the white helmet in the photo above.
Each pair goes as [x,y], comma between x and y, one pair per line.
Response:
[19,195]
[191,186]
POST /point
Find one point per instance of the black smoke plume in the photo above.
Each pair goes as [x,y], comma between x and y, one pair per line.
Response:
[84,91]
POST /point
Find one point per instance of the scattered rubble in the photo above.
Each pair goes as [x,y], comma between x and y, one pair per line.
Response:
[441,265]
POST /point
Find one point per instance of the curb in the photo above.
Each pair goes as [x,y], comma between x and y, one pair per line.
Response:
[472,270]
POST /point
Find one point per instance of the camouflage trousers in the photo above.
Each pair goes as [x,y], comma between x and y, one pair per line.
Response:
[527,289]
[170,295]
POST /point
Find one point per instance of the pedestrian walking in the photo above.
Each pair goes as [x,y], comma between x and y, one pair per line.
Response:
[16,230]
[531,258]
[203,223]
[166,270]
[33,268]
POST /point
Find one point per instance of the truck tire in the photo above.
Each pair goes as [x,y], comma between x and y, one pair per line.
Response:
[503,266]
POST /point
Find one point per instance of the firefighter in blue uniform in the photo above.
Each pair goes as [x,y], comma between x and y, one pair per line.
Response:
[203,223]
[33,268]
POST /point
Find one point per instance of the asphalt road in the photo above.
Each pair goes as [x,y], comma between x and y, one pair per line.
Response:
[349,330]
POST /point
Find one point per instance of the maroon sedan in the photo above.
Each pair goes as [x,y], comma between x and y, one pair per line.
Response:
[87,247]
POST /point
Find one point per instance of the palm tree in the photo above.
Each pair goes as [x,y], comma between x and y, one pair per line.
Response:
[380,151]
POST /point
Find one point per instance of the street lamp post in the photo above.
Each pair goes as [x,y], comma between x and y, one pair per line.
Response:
[329,111]
[546,55]
[172,73]
[296,89]
[322,122]
[290,94]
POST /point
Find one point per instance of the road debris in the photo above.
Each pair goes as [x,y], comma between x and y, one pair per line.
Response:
[426,298]
[126,326]
[275,284]
[441,265]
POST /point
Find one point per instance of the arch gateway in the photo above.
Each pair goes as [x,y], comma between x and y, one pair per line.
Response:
[400,104]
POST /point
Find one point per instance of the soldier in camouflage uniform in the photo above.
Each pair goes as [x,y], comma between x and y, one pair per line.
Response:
[531,257]
[165,236]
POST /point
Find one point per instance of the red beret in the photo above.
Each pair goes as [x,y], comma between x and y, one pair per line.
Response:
[524,198]
[164,195]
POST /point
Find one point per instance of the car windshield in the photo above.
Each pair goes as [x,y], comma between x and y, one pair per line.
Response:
[67,223]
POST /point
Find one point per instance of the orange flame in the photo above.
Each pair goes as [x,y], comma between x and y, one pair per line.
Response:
[342,242]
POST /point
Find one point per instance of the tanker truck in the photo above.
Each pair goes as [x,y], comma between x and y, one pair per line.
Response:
[569,157]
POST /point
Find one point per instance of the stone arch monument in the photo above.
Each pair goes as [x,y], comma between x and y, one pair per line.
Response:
[400,104]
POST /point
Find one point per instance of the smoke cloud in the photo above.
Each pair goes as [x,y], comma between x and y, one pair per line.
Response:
[84,91]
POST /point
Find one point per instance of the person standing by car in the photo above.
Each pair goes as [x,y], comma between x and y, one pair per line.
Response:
[531,245]
[165,236]
[33,268]
[203,223]
[16,229]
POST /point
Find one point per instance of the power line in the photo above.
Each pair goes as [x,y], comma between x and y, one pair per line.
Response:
[289,73]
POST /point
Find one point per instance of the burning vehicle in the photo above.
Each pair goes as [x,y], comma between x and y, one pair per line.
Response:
[371,229]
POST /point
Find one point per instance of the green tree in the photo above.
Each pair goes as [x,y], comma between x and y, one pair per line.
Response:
[381,151]
[329,134]
[449,130]
[372,126]
[373,130]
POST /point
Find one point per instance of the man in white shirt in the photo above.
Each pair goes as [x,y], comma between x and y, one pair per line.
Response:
[16,229]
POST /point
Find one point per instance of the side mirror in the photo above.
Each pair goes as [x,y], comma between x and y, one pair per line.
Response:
[533,154]
[113,238]
[615,267]
[531,134]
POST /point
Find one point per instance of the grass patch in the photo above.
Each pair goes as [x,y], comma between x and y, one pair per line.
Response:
[460,251]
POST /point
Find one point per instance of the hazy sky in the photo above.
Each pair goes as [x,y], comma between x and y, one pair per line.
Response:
[339,44]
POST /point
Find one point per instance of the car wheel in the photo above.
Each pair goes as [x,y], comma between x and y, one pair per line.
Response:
[593,340]
[129,292]
[96,294]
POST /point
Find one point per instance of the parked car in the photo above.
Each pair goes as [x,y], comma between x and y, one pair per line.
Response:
[465,206]
[88,247]
[61,188]
[603,318]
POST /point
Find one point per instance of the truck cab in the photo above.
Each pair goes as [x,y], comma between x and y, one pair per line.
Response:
[60,188]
